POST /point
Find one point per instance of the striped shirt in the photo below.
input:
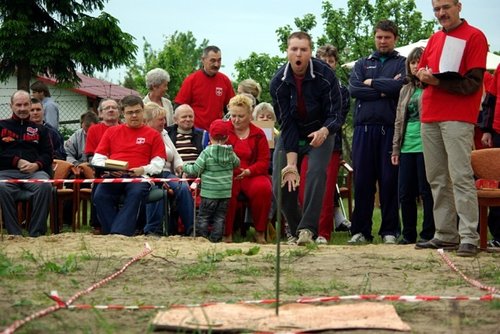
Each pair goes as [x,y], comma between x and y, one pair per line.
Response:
[185,147]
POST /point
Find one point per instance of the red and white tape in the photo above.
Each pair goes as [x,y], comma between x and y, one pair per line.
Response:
[61,304]
[400,298]
[110,180]
[306,300]
[471,281]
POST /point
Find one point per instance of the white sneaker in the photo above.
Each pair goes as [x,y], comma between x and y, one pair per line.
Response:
[305,237]
[321,240]
[358,238]
[389,239]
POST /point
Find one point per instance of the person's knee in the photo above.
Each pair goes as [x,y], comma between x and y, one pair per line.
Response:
[45,188]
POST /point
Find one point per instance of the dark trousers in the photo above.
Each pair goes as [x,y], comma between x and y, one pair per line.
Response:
[212,216]
[40,201]
[371,156]
[308,216]
[184,204]
[412,183]
[116,218]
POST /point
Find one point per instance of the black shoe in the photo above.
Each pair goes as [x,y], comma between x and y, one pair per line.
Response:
[436,244]
[345,226]
[467,250]
[405,242]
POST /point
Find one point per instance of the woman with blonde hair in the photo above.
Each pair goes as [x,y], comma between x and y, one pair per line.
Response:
[250,86]
[251,178]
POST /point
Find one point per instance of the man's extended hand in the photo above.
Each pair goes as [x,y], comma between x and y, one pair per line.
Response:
[318,137]
[290,176]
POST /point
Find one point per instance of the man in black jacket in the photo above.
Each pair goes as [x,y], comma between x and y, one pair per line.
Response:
[25,153]
[308,103]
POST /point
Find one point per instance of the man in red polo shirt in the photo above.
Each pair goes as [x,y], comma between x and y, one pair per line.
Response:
[452,67]
[207,90]
[143,148]
[110,114]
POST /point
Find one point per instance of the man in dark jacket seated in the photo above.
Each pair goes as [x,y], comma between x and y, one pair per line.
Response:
[25,153]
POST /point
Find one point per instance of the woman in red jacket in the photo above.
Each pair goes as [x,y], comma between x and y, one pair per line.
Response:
[251,178]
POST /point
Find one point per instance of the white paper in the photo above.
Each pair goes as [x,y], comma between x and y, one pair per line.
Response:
[451,57]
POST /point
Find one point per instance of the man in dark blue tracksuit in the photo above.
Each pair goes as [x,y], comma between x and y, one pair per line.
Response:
[308,104]
[375,82]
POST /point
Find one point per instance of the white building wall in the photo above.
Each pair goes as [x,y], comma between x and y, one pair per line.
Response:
[71,104]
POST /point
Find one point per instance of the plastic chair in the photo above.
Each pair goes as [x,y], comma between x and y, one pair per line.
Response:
[83,195]
[62,170]
[486,166]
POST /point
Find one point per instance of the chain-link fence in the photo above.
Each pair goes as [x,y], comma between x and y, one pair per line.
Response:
[71,106]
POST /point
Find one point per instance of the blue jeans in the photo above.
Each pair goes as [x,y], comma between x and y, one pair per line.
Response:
[184,203]
[212,213]
[412,183]
[107,199]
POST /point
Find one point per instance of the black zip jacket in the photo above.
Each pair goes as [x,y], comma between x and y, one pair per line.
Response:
[22,139]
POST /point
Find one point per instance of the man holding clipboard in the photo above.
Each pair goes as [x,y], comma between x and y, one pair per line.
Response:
[452,67]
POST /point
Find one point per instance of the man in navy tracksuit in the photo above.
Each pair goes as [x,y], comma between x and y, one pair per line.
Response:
[375,82]
[308,104]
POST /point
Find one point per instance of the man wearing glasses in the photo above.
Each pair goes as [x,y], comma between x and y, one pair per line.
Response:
[452,67]
[142,147]
[110,115]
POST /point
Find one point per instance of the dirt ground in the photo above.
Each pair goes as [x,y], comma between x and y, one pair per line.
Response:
[192,270]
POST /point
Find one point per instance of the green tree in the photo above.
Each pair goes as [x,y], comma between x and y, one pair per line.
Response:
[306,24]
[260,67]
[351,32]
[55,38]
[180,57]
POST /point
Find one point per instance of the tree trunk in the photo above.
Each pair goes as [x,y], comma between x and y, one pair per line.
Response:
[23,76]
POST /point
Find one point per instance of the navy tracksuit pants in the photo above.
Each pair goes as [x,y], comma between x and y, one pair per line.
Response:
[371,157]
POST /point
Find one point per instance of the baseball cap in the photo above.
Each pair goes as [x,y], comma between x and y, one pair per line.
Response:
[218,128]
